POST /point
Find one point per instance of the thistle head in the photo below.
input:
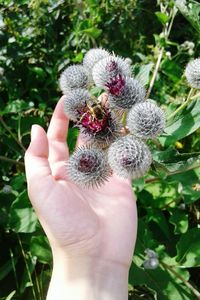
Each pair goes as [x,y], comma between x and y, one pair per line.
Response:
[7,189]
[75,103]
[131,92]
[99,125]
[146,120]
[93,56]
[109,72]
[192,73]
[129,157]
[151,263]
[151,253]
[88,167]
[73,77]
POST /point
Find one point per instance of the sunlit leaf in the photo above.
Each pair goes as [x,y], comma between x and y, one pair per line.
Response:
[188,250]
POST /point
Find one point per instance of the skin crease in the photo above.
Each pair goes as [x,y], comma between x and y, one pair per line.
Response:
[79,223]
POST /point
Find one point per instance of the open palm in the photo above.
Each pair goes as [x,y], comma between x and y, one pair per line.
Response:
[81,222]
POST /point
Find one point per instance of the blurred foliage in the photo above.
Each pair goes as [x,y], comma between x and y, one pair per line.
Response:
[38,39]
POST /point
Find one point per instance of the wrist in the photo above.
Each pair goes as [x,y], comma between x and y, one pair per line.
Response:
[88,278]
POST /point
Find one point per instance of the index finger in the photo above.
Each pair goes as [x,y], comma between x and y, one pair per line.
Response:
[58,126]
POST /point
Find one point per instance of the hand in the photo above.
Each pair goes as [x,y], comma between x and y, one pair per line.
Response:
[91,226]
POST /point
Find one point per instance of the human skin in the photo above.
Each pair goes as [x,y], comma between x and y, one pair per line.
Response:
[91,232]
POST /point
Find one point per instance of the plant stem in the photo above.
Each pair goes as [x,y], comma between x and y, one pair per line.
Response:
[183,105]
[174,12]
[27,267]
[195,96]
[170,268]
[12,161]
[155,72]
[13,136]
[13,266]
[166,31]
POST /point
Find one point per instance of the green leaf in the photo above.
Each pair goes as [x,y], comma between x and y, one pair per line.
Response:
[180,221]
[144,238]
[183,125]
[172,70]
[16,106]
[22,217]
[159,218]
[72,137]
[171,155]
[162,193]
[190,10]
[162,17]
[26,280]
[40,248]
[23,220]
[190,195]
[188,249]
[93,32]
[138,184]
[10,296]
[143,75]
[187,180]
[170,160]
[165,283]
[39,72]
[7,267]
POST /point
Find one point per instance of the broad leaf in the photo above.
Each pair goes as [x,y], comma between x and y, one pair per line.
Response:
[143,75]
[183,125]
[22,217]
[162,17]
[40,248]
[170,160]
[190,10]
[180,221]
[162,281]
[188,248]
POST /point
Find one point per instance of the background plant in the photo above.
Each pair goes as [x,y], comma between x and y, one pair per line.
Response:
[39,38]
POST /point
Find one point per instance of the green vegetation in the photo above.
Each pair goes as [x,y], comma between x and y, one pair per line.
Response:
[38,39]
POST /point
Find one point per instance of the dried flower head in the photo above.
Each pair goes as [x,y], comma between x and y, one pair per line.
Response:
[192,73]
[151,253]
[7,189]
[93,56]
[132,92]
[109,73]
[75,103]
[146,120]
[88,167]
[75,76]
[151,263]
[129,157]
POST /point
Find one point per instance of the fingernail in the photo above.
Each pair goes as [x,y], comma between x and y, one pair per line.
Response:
[33,132]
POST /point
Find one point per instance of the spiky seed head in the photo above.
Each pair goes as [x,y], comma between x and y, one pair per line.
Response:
[151,253]
[88,167]
[75,102]
[7,189]
[100,132]
[146,120]
[132,92]
[151,263]
[73,77]
[109,72]
[93,56]
[192,73]
[128,60]
[129,157]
